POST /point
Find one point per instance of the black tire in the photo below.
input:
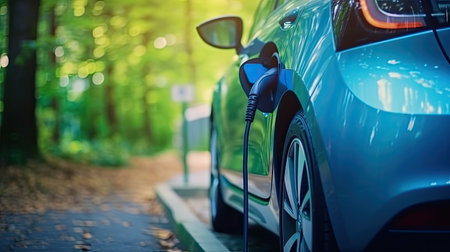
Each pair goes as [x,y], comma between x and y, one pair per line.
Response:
[304,222]
[223,217]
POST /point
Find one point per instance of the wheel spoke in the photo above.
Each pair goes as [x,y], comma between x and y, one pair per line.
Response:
[295,157]
[290,183]
[304,246]
[307,232]
[213,150]
[305,207]
[289,210]
[301,158]
[213,195]
[302,171]
[305,211]
[292,244]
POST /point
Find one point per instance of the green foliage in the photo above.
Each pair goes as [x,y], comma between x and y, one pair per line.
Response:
[106,153]
[106,68]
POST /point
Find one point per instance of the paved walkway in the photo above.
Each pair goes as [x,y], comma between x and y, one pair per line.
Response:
[113,225]
[260,239]
[104,209]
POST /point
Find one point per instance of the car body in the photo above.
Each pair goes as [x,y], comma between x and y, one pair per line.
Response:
[377,111]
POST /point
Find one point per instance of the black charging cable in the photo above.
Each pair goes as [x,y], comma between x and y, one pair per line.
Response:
[267,81]
[245,178]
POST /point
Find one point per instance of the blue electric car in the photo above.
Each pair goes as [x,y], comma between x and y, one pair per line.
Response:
[350,146]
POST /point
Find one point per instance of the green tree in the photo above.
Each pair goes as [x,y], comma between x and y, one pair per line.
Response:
[105,71]
[18,135]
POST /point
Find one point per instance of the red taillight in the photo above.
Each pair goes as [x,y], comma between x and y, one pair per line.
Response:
[432,216]
[384,20]
[359,22]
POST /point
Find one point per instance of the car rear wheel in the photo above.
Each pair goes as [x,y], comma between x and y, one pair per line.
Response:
[304,224]
[223,217]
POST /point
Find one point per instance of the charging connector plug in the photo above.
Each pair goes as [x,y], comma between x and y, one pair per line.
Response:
[266,83]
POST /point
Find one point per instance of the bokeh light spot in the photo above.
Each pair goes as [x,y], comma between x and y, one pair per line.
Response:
[98,78]
[103,41]
[134,30]
[59,51]
[78,11]
[92,67]
[83,71]
[4,60]
[64,81]
[98,8]
[139,50]
[118,21]
[3,10]
[160,42]
[98,31]
[99,52]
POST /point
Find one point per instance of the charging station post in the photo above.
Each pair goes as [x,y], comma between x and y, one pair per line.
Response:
[184,94]
[185,144]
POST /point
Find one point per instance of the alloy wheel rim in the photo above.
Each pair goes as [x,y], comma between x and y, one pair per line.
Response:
[297,202]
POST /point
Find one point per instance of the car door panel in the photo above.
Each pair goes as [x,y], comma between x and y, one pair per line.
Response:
[233,104]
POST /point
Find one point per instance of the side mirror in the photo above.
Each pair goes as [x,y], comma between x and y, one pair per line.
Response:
[223,32]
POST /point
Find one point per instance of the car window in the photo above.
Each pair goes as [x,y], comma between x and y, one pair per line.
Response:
[265,7]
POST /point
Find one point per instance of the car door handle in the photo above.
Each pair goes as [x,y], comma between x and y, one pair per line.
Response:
[289,19]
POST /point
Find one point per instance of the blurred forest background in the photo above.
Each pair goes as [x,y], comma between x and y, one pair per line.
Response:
[104,73]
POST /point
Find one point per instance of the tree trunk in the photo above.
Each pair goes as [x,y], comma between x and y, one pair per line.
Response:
[56,135]
[90,121]
[147,123]
[110,103]
[55,103]
[18,134]
[109,85]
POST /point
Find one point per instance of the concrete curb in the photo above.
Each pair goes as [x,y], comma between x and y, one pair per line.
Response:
[190,230]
